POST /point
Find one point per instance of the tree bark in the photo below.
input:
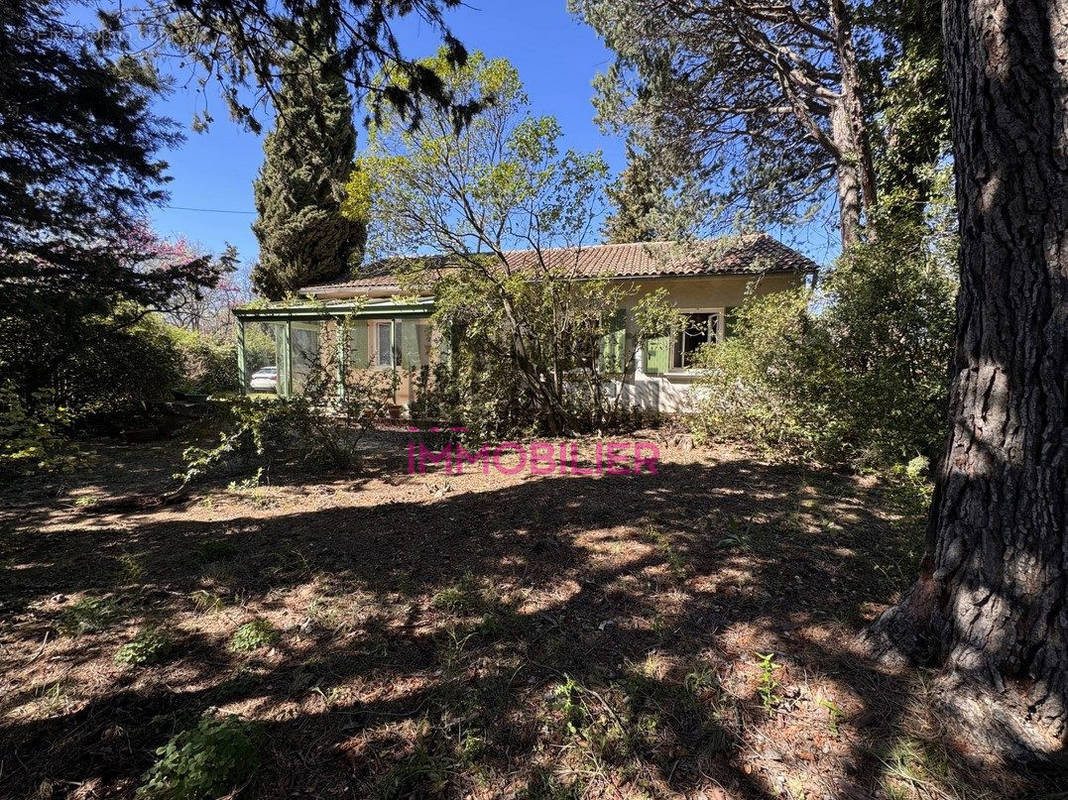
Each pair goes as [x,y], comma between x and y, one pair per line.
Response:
[859,150]
[990,607]
[847,177]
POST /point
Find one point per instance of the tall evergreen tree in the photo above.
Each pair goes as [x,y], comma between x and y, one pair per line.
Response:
[79,167]
[309,156]
[637,196]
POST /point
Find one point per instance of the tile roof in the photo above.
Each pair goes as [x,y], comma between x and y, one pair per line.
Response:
[747,254]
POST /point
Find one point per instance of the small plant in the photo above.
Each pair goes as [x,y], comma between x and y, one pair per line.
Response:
[702,679]
[568,700]
[451,598]
[676,562]
[150,645]
[834,715]
[131,568]
[459,596]
[768,689]
[216,550]
[253,635]
[206,601]
[203,762]
[89,615]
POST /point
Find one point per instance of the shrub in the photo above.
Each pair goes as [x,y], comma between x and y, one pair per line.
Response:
[253,635]
[209,360]
[763,383]
[149,646]
[862,380]
[203,762]
[320,428]
[33,441]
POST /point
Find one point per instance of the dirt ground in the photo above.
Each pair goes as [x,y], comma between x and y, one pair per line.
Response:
[684,634]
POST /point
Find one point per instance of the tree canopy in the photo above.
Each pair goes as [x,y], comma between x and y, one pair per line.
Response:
[769,110]
[308,157]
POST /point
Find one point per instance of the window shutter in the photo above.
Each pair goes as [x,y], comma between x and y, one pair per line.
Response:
[358,356]
[657,352]
[614,342]
[409,345]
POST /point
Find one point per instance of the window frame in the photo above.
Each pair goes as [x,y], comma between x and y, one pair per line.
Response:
[376,325]
[720,312]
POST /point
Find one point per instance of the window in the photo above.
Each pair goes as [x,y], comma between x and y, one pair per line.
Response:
[304,352]
[384,344]
[702,327]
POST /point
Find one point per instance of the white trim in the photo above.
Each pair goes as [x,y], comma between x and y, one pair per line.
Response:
[685,372]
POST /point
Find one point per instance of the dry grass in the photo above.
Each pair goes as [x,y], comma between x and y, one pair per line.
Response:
[687,634]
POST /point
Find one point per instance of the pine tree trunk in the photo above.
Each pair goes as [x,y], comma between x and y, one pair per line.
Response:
[848,178]
[991,605]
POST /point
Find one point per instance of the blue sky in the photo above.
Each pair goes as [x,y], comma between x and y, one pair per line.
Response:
[557,58]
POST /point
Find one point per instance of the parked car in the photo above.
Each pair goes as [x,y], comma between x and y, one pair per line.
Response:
[264,380]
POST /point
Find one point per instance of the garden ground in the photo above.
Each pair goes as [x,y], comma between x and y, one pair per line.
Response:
[685,634]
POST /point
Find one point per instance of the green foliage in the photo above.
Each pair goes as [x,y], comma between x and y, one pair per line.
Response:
[253,635]
[768,687]
[502,183]
[639,198]
[89,615]
[319,428]
[209,360]
[863,381]
[33,441]
[150,645]
[94,366]
[303,236]
[204,762]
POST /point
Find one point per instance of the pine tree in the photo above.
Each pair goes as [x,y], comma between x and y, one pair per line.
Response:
[308,157]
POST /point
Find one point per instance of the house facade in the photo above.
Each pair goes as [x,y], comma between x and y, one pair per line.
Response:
[385,328]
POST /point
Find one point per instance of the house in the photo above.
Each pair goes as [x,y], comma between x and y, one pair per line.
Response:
[388,330]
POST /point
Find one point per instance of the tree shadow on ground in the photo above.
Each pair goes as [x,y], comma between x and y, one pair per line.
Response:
[546,637]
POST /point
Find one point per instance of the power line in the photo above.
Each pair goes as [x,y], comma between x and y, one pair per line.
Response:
[209,210]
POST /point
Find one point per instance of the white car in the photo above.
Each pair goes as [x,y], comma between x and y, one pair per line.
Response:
[264,380]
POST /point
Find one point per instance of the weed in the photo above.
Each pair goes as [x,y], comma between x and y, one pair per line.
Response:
[702,679]
[89,615]
[131,567]
[253,635]
[452,598]
[203,762]
[568,701]
[676,562]
[150,645]
[216,550]
[206,601]
[768,688]
[834,715]
[422,773]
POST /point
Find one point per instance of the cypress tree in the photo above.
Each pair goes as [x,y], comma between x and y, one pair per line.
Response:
[637,196]
[309,155]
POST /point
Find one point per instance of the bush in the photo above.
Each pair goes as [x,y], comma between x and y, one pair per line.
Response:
[863,381]
[203,762]
[209,360]
[33,441]
[320,428]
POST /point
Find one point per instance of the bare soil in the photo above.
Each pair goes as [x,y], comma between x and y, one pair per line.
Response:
[685,634]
